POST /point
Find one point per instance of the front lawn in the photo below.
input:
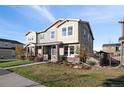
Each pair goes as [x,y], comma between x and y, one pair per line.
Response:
[55,75]
[13,63]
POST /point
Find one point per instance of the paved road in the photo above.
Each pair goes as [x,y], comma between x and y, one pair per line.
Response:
[10,79]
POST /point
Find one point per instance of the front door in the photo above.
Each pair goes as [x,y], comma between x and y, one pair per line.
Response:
[49,52]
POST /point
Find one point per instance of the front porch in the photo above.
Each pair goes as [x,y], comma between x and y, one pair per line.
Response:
[55,51]
[49,52]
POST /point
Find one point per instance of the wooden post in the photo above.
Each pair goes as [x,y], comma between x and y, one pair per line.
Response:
[57,53]
[122,43]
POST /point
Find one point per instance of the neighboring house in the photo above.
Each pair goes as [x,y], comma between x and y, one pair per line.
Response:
[60,39]
[113,49]
[7,48]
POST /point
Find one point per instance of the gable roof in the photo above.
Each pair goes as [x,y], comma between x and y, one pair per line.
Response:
[114,44]
[27,33]
[62,21]
[86,22]
[11,41]
[65,20]
[30,32]
[90,30]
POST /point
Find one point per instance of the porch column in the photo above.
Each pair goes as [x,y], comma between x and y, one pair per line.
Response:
[121,39]
[57,52]
[26,51]
[35,50]
[42,51]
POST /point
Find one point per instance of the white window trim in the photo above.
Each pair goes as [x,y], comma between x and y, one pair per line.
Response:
[67,30]
[62,31]
[70,55]
[42,36]
[51,35]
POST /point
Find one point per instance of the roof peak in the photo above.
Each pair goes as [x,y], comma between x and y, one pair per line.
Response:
[8,40]
[111,44]
[75,19]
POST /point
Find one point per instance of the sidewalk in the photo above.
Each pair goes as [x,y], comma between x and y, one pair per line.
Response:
[25,65]
[10,79]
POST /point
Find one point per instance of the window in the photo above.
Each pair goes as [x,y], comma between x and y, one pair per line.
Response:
[84,36]
[66,50]
[71,50]
[117,48]
[70,30]
[88,37]
[53,34]
[63,31]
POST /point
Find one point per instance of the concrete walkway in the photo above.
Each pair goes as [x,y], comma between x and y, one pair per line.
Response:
[10,79]
[25,65]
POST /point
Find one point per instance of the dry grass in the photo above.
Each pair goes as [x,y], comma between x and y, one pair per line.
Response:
[62,76]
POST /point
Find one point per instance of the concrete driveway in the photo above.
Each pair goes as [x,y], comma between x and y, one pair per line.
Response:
[10,79]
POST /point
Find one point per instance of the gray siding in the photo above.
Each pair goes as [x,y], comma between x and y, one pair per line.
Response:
[85,37]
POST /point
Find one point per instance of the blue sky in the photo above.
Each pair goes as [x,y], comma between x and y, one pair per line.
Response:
[15,21]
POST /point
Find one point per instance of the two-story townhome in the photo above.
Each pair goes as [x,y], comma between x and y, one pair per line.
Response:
[60,39]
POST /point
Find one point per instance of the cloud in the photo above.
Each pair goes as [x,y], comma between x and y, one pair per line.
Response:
[101,13]
[43,10]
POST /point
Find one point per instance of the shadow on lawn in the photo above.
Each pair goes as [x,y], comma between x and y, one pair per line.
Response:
[115,82]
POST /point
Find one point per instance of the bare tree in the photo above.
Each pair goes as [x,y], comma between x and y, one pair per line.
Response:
[82,54]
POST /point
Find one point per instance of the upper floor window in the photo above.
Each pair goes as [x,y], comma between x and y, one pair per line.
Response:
[63,31]
[28,39]
[42,36]
[88,37]
[53,34]
[70,30]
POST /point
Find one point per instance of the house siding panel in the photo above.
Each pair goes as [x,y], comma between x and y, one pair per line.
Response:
[71,38]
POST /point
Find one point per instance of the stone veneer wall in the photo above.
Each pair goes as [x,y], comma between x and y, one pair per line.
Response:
[73,59]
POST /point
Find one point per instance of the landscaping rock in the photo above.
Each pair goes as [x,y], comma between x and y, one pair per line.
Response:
[76,66]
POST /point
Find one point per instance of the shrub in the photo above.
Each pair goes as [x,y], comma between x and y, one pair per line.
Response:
[38,59]
[22,57]
[62,58]
[66,63]
[31,57]
[92,63]
[82,54]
